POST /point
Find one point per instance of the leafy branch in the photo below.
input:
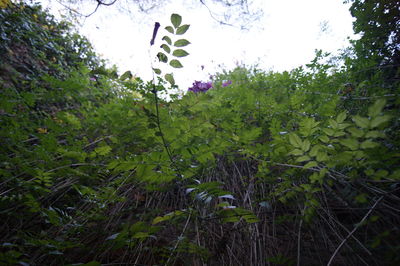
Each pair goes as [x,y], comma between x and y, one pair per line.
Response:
[175,29]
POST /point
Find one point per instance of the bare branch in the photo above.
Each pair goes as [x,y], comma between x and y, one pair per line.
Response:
[100,3]
[354,230]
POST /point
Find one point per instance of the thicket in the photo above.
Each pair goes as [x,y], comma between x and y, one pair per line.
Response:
[264,168]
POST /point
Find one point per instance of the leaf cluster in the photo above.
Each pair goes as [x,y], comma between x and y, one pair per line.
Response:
[172,47]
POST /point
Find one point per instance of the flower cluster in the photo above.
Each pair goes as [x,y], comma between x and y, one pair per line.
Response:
[199,86]
[226,83]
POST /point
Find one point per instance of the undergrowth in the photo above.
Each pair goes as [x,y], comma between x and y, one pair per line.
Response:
[261,168]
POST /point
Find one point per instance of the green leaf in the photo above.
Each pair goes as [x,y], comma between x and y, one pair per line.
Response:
[126,75]
[182,29]
[339,134]
[314,150]
[162,57]
[157,71]
[303,158]
[350,143]
[375,134]
[376,108]
[180,53]
[160,219]
[71,119]
[328,131]
[103,150]
[175,64]
[166,48]
[361,198]
[368,144]
[170,79]
[333,124]
[181,43]
[324,138]
[341,117]
[296,152]
[141,235]
[295,140]
[343,125]
[369,172]
[321,156]
[377,121]
[229,215]
[305,146]
[395,175]
[361,121]
[176,20]
[167,40]
[381,173]
[356,132]
[315,177]
[170,29]
[251,218]
[310,164]
[359,154]
[205,157]
[308,123]
[247,215]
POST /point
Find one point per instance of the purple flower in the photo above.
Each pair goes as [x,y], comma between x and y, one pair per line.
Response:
[199,86]
[226,83]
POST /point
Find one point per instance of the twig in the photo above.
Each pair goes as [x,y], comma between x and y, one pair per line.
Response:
[299,237]
[179,239]
[97,141]
[213,17]
[74,165]
[353,231]
[344,228]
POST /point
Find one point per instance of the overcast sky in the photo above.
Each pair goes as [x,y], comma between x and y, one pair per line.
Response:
[284,38]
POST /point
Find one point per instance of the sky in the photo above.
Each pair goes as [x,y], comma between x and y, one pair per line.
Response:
[285,37]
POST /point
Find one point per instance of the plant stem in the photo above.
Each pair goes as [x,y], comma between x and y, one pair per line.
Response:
[354,230]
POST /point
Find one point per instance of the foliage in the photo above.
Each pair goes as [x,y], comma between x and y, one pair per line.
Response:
[176,30]
[265,168]
[377,22]
[375,57]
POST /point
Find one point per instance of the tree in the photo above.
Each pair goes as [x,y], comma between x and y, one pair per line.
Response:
[378,23]
[226,12]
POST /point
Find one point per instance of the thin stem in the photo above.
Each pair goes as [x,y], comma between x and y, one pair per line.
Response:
[299,238]
[159,126]
[158,122]
[353,231]
[179,239]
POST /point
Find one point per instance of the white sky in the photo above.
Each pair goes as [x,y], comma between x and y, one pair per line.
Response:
[286,37]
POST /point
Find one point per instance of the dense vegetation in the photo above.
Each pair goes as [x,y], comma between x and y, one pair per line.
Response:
[263,168]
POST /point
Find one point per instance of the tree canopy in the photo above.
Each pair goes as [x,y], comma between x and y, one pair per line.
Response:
[238,13]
